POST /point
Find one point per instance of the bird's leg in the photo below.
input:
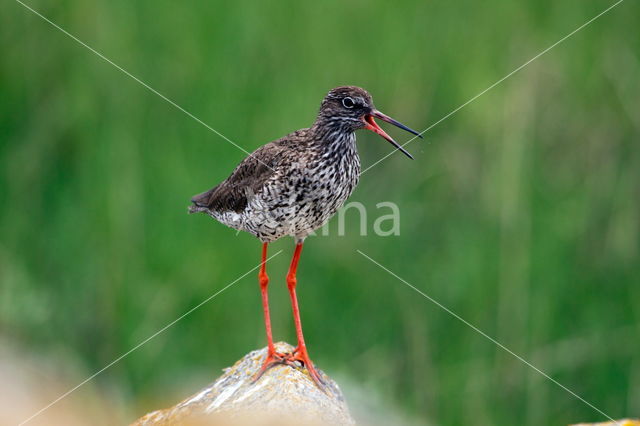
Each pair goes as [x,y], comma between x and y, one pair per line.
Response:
[300,353]
[273,357]
[264,283]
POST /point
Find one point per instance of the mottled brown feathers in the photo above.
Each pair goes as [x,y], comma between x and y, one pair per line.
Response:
[295,184]
[250,175]
[246,180]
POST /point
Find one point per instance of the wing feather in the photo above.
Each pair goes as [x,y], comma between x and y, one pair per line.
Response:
[248,178]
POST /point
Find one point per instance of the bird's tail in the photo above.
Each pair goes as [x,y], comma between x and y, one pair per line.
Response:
[200,202]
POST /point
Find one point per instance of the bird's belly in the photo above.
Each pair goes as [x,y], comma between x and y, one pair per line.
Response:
[304,204]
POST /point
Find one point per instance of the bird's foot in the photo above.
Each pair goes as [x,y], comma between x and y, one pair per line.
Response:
[300,355]
[273,358]
[293,359]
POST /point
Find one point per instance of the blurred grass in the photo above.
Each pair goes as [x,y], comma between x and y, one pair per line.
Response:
[520,213]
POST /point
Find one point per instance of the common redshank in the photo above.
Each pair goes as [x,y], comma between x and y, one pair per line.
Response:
[292,186]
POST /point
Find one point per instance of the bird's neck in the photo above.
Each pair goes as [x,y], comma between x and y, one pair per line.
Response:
[333,130]
[334,137]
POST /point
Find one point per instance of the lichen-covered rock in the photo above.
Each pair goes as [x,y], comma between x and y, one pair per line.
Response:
[283,394]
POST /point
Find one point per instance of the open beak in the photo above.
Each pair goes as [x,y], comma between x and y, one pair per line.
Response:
[373,126]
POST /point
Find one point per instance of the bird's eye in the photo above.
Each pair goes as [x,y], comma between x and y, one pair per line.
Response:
[348,102]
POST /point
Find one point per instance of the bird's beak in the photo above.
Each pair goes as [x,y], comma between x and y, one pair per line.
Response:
[370,124]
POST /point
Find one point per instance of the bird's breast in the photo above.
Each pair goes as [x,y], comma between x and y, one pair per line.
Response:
[331,178]
[302,196]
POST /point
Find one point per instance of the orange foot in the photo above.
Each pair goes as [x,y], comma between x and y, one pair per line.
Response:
[298,355]
[273,358]
[301,355]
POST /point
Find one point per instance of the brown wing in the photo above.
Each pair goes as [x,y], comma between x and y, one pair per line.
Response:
[248,178]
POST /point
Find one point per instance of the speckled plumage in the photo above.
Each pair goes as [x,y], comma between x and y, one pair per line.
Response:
[293,185]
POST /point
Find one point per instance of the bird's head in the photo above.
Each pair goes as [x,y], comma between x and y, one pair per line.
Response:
[350,108]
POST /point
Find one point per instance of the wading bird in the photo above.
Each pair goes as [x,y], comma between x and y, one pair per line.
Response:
[292,186]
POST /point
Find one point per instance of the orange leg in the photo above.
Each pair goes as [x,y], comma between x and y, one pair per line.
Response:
[264,283]
[300,353]
[273,357]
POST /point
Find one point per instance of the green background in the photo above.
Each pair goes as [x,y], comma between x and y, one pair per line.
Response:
[520,212]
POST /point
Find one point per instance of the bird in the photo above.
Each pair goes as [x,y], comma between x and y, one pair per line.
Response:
[292,186]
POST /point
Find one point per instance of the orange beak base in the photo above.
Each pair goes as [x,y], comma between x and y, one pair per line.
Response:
[373,126]
[370,124]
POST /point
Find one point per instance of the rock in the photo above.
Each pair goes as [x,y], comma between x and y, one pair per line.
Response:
[283,394]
